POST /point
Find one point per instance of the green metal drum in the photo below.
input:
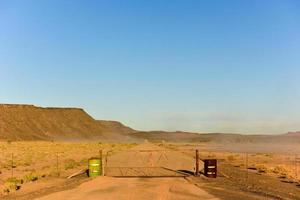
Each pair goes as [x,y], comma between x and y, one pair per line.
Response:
[95,167]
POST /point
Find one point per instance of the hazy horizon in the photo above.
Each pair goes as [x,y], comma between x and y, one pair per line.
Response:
[199,66]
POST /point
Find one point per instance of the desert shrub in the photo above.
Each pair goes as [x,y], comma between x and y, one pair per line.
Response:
[261,168]
[32,176]
[70,164]
[13,183]
[280,170]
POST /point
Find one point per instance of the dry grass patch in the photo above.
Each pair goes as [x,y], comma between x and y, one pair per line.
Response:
[33,160]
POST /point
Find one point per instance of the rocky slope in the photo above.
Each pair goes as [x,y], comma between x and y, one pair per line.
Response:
[28,122]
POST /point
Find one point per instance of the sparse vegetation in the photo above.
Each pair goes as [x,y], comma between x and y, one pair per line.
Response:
[12,184]
[35,160]
[32,176]
[70,164]
[280,170]
[261,168]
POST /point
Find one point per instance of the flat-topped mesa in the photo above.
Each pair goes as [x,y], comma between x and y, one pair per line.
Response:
[17,105]
[61,108]
[29,122]
[37,107]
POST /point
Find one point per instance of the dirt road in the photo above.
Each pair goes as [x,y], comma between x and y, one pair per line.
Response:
[148,160]
[230,184]
[134,189]
[145,156]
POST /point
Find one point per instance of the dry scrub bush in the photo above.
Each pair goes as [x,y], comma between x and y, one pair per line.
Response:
[32,176]
[44,153]
[261,168]
[70,164]
[280,170]
[12,184]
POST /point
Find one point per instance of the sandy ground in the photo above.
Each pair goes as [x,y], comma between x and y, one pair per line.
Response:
[234,180]
[147,160]
[134,188]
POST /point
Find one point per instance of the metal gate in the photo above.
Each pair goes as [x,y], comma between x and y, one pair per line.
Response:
[148,163]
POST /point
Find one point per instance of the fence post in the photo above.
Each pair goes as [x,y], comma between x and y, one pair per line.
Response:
[57,165]
[100,157]
[296,167]
[247,166]
[12,165]
[197,162]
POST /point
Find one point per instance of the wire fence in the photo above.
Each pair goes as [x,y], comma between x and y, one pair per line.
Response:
[148,163]
[25,162]
[60,163]
[48,164]
[274,164]
[22,162]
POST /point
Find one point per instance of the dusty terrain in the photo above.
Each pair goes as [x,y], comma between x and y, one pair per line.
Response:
[31,161]
[28,122]
[41,147]
[148,160]
[238,178]
[134,188]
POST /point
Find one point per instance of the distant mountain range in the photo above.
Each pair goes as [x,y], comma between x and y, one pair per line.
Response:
[29,122]
[293,134]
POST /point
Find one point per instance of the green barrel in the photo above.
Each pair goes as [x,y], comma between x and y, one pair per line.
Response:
[95,167]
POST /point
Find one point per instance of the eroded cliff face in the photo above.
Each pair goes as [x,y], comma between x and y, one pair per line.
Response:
[115,127]
[28,122]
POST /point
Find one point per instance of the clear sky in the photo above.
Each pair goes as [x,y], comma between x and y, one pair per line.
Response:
[205,66]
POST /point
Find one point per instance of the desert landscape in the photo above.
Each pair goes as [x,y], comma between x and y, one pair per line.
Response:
[38,154]
[149,100]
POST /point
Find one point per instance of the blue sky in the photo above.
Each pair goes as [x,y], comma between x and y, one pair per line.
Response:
[205,66]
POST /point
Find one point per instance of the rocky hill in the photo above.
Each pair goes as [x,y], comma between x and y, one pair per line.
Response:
[28,122]
[114,127]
